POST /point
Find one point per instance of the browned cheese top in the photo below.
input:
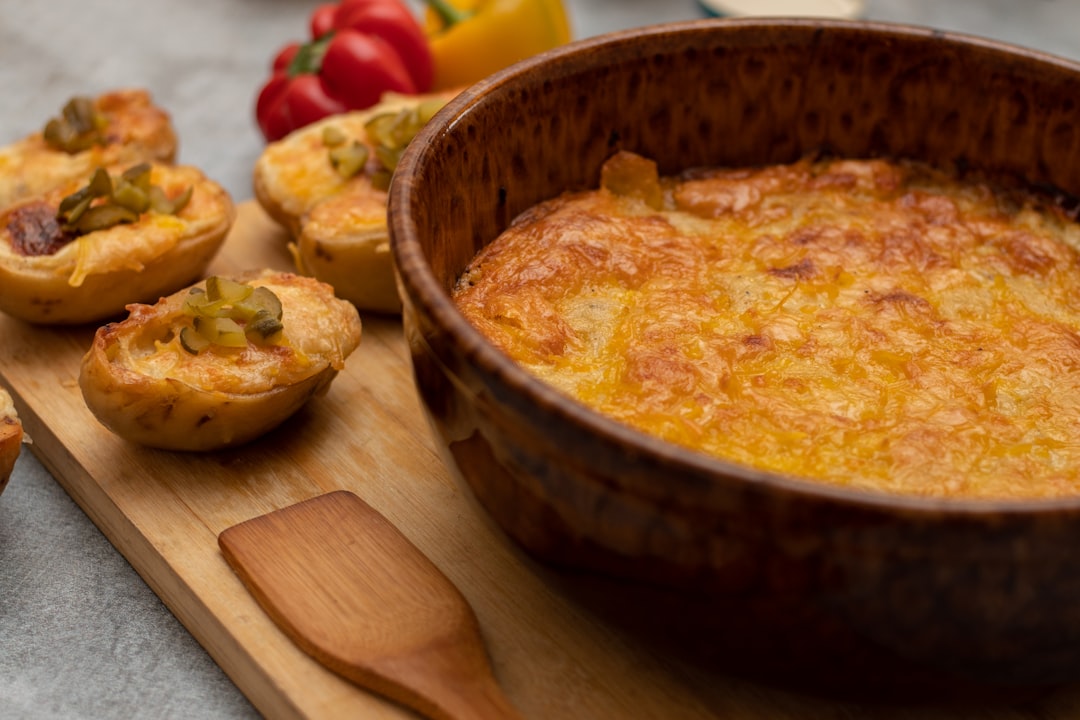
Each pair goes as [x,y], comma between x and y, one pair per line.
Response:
[866,323]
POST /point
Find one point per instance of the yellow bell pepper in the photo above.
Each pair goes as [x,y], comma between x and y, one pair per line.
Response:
[471,39]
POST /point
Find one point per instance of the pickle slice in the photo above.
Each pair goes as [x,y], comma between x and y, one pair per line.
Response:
[123,200]
[222,331]
[222,288]
[192,341]
[229,313]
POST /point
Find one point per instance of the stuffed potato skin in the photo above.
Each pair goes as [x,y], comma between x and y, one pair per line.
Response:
[140,382]
[344,242]
[11,437]
[135,130]
[94,276]
[338,224]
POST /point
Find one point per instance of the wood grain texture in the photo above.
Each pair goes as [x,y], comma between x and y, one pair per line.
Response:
[164,512]
[357,596]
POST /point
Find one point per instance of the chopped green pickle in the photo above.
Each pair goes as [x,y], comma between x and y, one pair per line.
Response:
[120,200]
[192,341]
[389,132]
[78,128]
[138,175]
[220,288]
[428,108]
[100,217]
[388,156]
[349,160]
[160,203]
[222,331]
[101,184]
[230,314]
[332,136]
[73,206]
[132,197]
[264,324]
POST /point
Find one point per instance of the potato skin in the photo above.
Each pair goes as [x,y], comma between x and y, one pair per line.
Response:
[135,130]
[11,437]
[338,225]
[130,263]
[249,393]
[345,242]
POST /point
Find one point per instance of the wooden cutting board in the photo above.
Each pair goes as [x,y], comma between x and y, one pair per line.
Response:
[163,511]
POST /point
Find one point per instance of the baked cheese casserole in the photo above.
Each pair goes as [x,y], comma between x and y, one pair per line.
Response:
[868,323]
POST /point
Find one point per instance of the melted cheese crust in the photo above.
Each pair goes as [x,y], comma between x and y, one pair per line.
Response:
[338,224]
[319,332]
[136,130]
[128,246]
[293,175]
[858,322]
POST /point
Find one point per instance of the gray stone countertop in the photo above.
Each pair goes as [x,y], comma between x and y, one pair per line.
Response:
[81,635]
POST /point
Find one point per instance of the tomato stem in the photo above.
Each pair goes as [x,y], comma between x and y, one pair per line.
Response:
[449,14]
[308,59]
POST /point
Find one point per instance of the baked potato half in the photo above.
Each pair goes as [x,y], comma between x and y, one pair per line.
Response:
[326,184]
[205,368]
[56,268]
[11,437]
[344,241]
[117,127]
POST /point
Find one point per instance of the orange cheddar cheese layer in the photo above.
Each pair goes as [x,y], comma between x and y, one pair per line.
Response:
[866,323]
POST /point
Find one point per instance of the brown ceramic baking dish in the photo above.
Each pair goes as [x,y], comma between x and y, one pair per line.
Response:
[833,589]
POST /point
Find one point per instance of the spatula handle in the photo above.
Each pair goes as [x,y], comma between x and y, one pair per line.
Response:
[480,700]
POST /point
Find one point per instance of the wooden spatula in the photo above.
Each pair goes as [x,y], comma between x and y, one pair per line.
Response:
[351,591]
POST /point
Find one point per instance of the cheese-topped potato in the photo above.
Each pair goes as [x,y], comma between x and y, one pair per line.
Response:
[326,184]
[83,250]
[11,437]
[868,323]
[118,127]
[218,364]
